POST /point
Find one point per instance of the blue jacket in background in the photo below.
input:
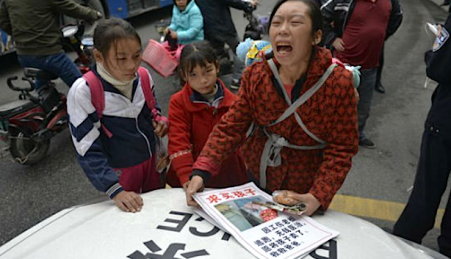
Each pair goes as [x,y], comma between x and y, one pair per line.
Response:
[188,24]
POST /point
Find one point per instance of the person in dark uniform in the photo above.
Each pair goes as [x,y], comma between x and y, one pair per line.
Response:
[434,165]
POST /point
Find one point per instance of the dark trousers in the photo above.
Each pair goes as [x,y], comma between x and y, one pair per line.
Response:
[431,179]
[218,44]
[59,64]
[380,67]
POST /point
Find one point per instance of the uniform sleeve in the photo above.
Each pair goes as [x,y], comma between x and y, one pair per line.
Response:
[229,133]
[72,9]
[196,24]
[438,60]
[342,142]
[84,128]
[5,22]
[179,135]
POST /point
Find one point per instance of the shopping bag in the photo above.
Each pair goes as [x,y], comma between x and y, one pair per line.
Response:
[160,58]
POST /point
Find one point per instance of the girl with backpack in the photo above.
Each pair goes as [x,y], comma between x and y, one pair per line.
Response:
[114,118]
[193,112]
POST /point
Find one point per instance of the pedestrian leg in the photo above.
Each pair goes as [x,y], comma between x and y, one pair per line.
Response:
[431,179]
[33,61]
[379,87]
[61,65]
[238,65]
[366,89]
[223,56]
[444,240]
[218,46]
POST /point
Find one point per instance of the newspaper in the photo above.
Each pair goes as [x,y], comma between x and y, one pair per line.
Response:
[265,232]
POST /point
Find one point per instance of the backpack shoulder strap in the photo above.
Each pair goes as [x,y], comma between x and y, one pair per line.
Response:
[147,88]
[97,97]
[148,95]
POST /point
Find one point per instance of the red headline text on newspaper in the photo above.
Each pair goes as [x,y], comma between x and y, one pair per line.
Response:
[224,196]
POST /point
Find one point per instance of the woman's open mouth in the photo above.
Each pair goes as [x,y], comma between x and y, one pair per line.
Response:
[284,49]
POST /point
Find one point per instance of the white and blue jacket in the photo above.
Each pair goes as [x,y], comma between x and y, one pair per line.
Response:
[188,24]
[130,122]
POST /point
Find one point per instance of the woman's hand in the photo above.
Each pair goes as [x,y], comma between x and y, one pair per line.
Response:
[128,201]
[160,128]
[339,44]
[196,184]
[292,198]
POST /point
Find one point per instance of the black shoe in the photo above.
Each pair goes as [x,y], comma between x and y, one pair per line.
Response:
[235,84]
[366,143]
[380,88]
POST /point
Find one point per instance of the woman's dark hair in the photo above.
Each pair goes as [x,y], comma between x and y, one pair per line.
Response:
[313,10]
[199,53]
[109,31]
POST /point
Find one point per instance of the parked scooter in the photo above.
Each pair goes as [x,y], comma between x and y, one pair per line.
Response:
[75,40]
[257,25]
[256,28]
[29,123]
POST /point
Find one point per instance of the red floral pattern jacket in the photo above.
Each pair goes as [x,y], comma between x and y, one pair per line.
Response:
[330,114]
[192,120]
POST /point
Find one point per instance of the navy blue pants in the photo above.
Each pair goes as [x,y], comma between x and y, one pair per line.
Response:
[431,179]
[59,64]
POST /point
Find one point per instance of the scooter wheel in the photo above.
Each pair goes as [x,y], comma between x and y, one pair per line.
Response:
[27,151]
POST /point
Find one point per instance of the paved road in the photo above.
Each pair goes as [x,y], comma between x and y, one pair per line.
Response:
[32,193]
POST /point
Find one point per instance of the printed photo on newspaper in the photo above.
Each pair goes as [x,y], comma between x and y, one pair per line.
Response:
[266,232]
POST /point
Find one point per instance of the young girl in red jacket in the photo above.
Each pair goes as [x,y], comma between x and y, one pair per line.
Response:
[193,113]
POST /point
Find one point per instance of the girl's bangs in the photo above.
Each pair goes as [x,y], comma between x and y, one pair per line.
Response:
[195,59]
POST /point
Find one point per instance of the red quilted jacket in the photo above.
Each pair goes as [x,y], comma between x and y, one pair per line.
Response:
[192,120]
[330,114]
